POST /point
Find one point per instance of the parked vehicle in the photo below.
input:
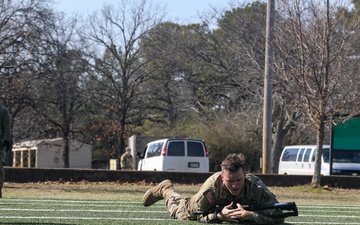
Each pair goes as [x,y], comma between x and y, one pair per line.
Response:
[300,159]
[178,155]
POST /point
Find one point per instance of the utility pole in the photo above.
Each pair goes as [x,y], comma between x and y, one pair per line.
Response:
[268,86]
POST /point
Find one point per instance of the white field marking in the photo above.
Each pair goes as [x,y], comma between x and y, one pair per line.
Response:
[139,211]
[121,210]
[331,207]
[70,201]
[121,205]
[326,223]
[158,204]
[143,219]
[83,218]
[133,204]
[101,206]
[81,210]
[92,203]
[330,211]
[73,200]
[307,215]
[11,200]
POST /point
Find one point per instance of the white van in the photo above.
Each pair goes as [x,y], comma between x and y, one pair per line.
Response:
[300,160]
[178,155]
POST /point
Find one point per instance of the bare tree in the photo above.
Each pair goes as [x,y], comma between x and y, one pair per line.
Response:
[314,44]
[117,56]
[59,96]
[21,25]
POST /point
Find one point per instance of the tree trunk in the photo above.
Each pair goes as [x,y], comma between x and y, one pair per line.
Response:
[316,179]
[278,139]
[280,131]
[122,132]
[66,153]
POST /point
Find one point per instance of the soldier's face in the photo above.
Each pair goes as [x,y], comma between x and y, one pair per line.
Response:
[234,182]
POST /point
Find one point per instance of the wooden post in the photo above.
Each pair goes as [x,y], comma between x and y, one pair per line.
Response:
[268,84]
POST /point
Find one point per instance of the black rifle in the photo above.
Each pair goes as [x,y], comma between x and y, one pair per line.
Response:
[289,208]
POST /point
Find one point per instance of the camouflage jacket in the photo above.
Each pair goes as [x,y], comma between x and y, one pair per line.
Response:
[213,194]
[126,161]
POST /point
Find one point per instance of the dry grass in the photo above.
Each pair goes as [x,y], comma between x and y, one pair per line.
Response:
[134,191]
[309,195]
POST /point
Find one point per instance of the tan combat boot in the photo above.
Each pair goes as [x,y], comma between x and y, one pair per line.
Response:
[157,193]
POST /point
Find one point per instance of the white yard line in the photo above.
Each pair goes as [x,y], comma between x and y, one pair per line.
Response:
[83,218]
[81,210]
[158,204]
[143,211]
[331,211]
[330,207]
[125,206]
[142,219]
[326,223]
[331,216]
[70,201]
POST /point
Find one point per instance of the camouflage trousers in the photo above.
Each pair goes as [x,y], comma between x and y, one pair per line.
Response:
[180,207]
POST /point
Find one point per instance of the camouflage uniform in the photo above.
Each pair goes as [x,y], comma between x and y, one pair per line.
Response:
[5,135]
[126,161]
[213,194]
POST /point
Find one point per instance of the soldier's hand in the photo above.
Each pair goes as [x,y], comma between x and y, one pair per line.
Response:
[244,214]
[228,214]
